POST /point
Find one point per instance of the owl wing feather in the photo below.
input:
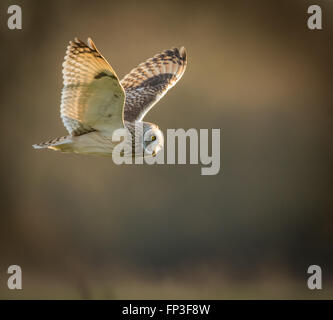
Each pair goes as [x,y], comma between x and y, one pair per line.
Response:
[92,97]
[146,84]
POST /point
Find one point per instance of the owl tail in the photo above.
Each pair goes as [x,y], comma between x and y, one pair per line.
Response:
[61,144]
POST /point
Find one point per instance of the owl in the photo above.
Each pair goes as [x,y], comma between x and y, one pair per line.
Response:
[94,103]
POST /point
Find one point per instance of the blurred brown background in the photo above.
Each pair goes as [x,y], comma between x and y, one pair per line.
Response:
[82,227]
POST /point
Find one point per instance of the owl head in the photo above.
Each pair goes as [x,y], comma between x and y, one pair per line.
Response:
[153,139]
[146,139]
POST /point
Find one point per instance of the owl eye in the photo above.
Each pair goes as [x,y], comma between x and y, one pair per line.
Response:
[153,138]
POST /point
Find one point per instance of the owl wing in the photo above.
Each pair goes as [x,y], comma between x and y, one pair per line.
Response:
[92,97]
[149,82]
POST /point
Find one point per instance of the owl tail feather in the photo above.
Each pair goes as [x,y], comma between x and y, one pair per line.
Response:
[61,144]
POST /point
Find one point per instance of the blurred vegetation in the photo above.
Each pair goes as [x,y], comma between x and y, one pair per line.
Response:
[82,227]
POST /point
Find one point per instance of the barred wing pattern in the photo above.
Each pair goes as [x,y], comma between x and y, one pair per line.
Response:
[92,97]
[149,82]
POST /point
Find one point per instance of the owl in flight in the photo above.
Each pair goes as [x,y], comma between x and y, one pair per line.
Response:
[94,103]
